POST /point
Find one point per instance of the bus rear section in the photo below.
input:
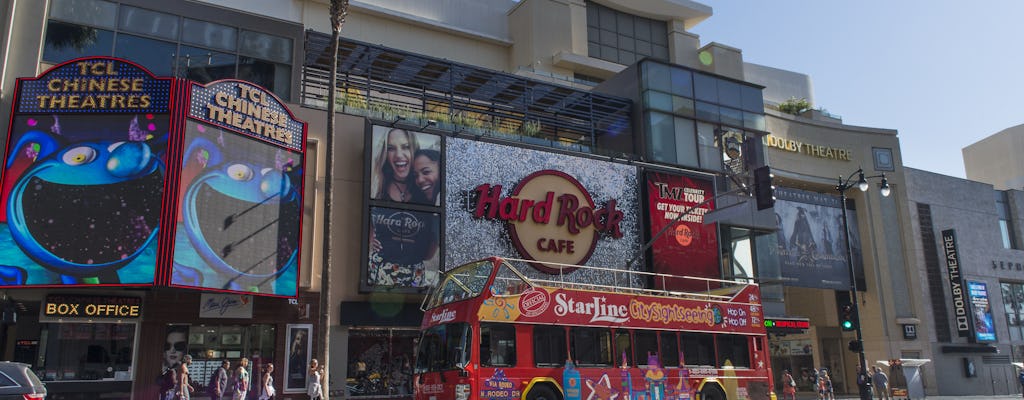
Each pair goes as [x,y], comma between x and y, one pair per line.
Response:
[510,340]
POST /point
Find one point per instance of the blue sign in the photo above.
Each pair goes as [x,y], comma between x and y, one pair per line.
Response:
[984,328]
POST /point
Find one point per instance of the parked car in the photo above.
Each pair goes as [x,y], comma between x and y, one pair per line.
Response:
[18,382]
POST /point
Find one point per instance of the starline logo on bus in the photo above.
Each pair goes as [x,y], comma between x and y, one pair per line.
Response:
[442,316]
[597,308]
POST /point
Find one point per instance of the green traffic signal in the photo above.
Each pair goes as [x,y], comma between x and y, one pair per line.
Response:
[848,314]
[847,325]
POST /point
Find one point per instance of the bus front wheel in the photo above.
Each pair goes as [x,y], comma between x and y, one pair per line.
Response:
[543,392]
[712,393]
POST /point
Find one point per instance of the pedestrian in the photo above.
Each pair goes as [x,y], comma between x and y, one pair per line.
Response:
[267,390]
[1020,378]
[881,383]
[219,381]
[183,387]
[241,380]
[788,386]
[825,391]
[313,386]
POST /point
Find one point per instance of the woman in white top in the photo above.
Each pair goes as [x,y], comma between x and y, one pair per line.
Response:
[241,379]
[313,387]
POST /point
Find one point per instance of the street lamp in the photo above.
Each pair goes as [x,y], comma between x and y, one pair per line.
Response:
[841,187]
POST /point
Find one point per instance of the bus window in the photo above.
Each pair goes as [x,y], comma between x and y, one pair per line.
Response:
[623,348]
[733,348]
[497,345]
[698,349]
[646,346]
[591,347]
[443,347]
[669,350]
[549,346]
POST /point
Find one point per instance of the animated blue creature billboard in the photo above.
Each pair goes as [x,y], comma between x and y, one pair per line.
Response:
[83,176]
[240,192]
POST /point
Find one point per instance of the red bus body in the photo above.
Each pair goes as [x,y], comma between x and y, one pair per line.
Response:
[495,335]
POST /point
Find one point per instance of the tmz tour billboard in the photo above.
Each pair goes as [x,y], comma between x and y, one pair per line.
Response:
[94,169]
[548,208]
[676,205]
[546,305]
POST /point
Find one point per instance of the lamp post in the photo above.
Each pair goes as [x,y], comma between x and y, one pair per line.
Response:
[842,186]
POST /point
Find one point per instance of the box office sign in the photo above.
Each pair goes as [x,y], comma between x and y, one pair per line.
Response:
[91,307]
[87,199]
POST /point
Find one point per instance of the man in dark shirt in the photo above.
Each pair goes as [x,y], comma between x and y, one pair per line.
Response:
[218,386]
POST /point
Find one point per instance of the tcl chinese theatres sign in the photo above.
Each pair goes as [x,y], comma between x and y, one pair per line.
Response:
[551,217]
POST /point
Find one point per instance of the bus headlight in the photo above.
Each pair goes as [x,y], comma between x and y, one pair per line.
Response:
[462,391]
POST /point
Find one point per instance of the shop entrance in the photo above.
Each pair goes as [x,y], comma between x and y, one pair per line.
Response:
[380,361]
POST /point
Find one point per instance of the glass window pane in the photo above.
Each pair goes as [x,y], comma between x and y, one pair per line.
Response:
[625,26]
[686,142]
[659,52]
[669,350]
[626,43]
[663,138]
[659,33]
[698,348]
[1008,301]
[591,346]
[87,351]
[592,16]
[682,106]
[204,65]
[710,156]
[275,77]
[752,99]
[705,88]
[707,112]
[729,93]
[98,13]
[656,75]
[497,345]
[623,348]
[609,38]
[658,101]
[646,343]
[150,23]
[642,29]
[609,53]
[68,41]
[626,57]
[209,34]
[682,82]
[607,15]
[549,346]
[753,120]
[267,47]
[593,34]
[731,116]
[593,50]
[733,350]
[1004,232]
[156,55]
[643,48]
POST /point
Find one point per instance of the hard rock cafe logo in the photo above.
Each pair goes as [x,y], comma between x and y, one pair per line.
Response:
[551,218]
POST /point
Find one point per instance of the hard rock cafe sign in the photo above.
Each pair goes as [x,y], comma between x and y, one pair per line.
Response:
[551,218]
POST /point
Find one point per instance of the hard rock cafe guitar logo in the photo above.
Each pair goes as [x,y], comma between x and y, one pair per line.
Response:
[551,218]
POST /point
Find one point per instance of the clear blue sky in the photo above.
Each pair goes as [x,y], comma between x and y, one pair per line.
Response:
[945,74]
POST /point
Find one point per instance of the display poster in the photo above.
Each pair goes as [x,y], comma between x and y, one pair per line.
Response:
[240,196]
[406,166]
[300,350]
[811,241]
[403,249]
[984,327]
[83,176]
[676,205]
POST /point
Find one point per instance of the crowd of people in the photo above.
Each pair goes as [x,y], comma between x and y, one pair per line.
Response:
[821,382]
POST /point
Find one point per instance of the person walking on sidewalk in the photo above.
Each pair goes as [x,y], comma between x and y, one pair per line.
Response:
[788,386]
[881,383]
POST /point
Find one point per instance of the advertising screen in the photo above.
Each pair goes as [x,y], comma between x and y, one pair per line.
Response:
[688,246]
[240,196]
[83,176]
[403,248]
[811,244]
[984,327]
[406,166]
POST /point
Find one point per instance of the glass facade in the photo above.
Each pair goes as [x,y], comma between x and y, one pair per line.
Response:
[168,44]
[687,112]
[624,38]
[85,351]
[1005,221]
[1013,306]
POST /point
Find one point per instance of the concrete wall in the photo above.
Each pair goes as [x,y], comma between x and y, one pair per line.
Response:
[996,159]
[780,85]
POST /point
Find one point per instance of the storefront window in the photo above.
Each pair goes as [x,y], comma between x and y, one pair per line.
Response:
[86,351]
[386,356]
[209,345]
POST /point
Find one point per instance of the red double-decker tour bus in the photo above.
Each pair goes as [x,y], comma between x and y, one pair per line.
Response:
[490,332]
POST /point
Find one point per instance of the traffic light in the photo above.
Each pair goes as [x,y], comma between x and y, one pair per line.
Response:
[848,317]
[764,192]
[856,346]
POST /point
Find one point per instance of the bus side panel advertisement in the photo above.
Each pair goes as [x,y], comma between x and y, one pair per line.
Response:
[571,307]
[677,204]
[811,244]
[83,176]
[240,197]
[984,327]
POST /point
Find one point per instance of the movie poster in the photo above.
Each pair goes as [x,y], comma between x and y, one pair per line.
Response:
[83,176]
[240,196]
[984,327]
[811,242]
[676,205]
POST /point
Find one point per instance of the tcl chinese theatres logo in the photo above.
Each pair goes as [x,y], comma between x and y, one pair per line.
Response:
[551,218]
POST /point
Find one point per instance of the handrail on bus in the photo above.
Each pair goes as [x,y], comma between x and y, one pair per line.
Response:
[729,287]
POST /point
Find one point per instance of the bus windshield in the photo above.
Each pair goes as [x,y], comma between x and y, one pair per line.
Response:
[443,347]
[461,283]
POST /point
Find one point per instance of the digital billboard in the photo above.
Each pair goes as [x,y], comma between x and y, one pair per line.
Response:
[239,203]
[83,176]
[811,243]
[984,326]
[676,205]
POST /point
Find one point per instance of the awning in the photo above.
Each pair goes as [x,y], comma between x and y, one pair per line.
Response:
[364,313]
